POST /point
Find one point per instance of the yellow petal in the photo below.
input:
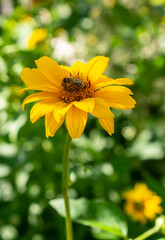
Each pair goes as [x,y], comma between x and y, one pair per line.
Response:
[122,81]
[38,35]
[76,121]
[51,70]
[96,67]
[117,97]
[42,108]
[60,110]
[107,124]
[79,69]
[101,109]
[34,79]
[39,96]
[51,125]
[105,81]
[69,69]
[102,81]
[23,90]
[86,105]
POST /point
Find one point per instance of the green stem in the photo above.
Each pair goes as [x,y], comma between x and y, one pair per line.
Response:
[65,183]
[148,233]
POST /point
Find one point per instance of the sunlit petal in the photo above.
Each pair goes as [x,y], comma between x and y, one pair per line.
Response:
[76,121]
[107,124]
[79,69]
[51,125]
[35,80]
[105,81]
[41,109]
[96,67]
[39,96]
[51,70]
[101,109]
[86,105]
[117,97]
[60,110]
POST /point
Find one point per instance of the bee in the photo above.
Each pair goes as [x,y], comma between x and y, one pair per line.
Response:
[73,83]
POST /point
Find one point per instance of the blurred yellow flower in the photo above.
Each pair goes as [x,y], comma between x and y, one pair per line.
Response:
[38,35]
[91,39]
[141,203]
[109,3]
[73,92]
[26,18]
[95,12]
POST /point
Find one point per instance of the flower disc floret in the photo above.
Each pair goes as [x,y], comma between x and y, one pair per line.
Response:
[75,89]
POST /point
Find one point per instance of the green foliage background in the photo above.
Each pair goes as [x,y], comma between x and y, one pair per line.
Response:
[132,34]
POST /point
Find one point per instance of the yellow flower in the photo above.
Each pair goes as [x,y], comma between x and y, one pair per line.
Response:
[38,35]
[73,92]
[141,203]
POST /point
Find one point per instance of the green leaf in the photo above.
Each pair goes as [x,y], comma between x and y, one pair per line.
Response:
[161,239]
[102,235]
[94,213]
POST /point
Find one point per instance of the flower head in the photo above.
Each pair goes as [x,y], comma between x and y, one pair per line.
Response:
[73,92]
[141,203]
[37,36]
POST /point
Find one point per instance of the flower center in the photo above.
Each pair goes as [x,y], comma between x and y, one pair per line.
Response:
[139,206]
[75,89]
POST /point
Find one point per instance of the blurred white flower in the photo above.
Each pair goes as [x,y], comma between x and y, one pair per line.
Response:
[63,50]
